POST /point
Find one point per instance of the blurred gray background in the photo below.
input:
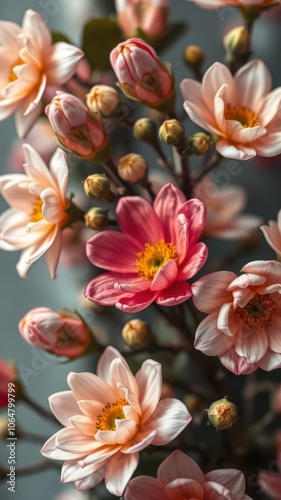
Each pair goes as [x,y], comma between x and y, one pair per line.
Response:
[204,28]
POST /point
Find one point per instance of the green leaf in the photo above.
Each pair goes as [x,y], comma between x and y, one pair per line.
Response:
[100,36]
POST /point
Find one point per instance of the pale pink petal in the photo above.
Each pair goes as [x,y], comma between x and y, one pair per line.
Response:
[37,29]
[35,168]
[236,364]
[165,276]
[9,35]
[50,450]
[7,109]
[272,236]
[31,254]
[106,437]
[72,441]
[215,491]
[269,269]
[101,290]
[53,255]
[62,60]
[269,145]
[84,384]
[119,472]
[71,471]
[253,82]
[120,374]
[209,339]
[270,361]
[178,464]
[149,380]
[92,480]
[24,122]
[226,322]
[137,219]
[197,108]
[91,408]
[169,419]
[84,425]
[246,135]
[230,151]
[140,441]
[167,203]
[64,406]
[99,453]
[232,479]
[184,488]
[252,345]
[270,107]
[136,302]
[125,431]
[145,487]
[103,366]
[274,334]
[113,251]
[193,262]
[210,291]
[177,293]
[196,114]
[51,208]
[240,228]
[59,171]
[216,76]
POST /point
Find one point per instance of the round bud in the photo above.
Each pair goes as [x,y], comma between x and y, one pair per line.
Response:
[222,414]
[137,333]
[102,99]
[172,132]
[97,186]
[132,168]
[236,42]
[96,218]
[193,56]
[145,130]
[199,144]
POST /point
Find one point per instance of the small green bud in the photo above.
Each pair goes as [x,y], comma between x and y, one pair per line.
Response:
[193,57]
[199,144]
[236,42]
[145,130]
[172,132]
[132,168]
[97,186]
[137,333]
[222,414]
[96,218]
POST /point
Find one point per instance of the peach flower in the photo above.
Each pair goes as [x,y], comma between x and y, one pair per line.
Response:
[272,234]
[179,477]
[223,206]
[244,4]
[244,317]
[240,110]
[29,62]
[154,256]
[37,214]
[109,418]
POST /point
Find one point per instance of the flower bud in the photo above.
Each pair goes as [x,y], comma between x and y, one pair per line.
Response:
[145,130]
[236,42]
[149,16]
[137,333]
[172,132]
[96,218]
[199,144]
[194,57]
[142,75]
[222,414]
[78,130]
[102,99]
[61,333]
[132,168]
[8,374]
[98,186]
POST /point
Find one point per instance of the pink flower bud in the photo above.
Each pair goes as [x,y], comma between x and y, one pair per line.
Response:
[149,16]
[60,333]
[8,375]
[142,75]
[78,130]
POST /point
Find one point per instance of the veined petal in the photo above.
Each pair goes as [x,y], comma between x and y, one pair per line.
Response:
[238,152]
[237,364]
[102,290]
[252,345]
[177,293]
[119,471]
[146,487]
[61,62]
[113,251]
[53,255]
[167,203]
[210,291]
[125,431]
[85,384]
[253,82]
[178,464]
[209,339]
[64,406]
[165,276]
[72,441]
[120,373]
[136,302]
[193,262]
[184,488]
[50,450]
[232,479]
[92,480]
[270,361]
[72,472]
[149,380]
[84,425]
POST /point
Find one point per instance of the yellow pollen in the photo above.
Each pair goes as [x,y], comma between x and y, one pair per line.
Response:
[111,411]
[153,257]
[241,114]
[13,76]
[257,313]
[37,211]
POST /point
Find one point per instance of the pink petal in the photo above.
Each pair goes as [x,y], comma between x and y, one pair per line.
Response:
[137,219]
[120,374]
[89,386]
[169,419]
[195,212]
[184,488]
[125,431]
[23,122]
[149,380]
[210,291]
[53,255]
[272,236]
[196,107]
[247,135]
[50,450]
[119,472]
[232,479]
[132,283]
[269,145]
[274,335]
[140,441]
[251,344]
[64,406]
[167,203]
[92,480]
[59,171]
[136,302]
[236,364]
[101,290]
[145,487]
[35,26]
[270,361]
[269,269]
[61,62]
[181,236]
[178,464]
[72,472]
[216,76]
[236,153]
[253,82]
[84,424]
[227,322]
[193,262]
[165,276]
[270,484]
[113,251]
[177,293]
[215,491]
[35,167]
[209,339]
[270,107]
[73,441]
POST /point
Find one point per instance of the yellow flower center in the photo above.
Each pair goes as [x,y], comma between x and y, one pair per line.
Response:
[13,76]
[241,114]
[153,257]
[111,411]
[37,211]
[257,313]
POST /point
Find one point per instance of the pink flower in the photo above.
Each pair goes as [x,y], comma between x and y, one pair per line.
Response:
[244,317]
[272,234]
[241,111]
[142,75]
[8,374]
[78,130]
[108,419]
[29,62]
[216,4]
[270,484]
[37,214]
[223,206]
[179,477]
[60,333]
[149,16]
[155,254]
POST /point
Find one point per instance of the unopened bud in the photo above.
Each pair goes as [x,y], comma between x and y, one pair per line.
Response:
[172,132]
[146,130]
[98,186]
[132,168]
[222,414]
[236,42]
[137,333]
[199,144]
[102,99]
[96,218]
[193,57]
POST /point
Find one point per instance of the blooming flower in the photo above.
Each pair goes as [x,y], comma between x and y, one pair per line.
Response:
[244,4]
[37,214]
[239,110]
[155,254]
[180,477]
[8,374]
[60,333]
[272,234]
[142,75]
[223,206]
[149,16]
[29,62]
[108,419]
[243,322]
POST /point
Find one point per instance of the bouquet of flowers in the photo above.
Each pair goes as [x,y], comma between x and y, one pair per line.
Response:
[180,317]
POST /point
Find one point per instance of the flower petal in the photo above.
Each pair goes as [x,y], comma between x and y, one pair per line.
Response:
[253,82]
[62,60]
[119,472]
[165,276]
[146,487]
[113,251]
[210,291]
[177,293]
[136,302]
[86,385]
[232,479]
[209,339]
[236,364]
[149,380]
[102,290]
[251,344]
[64,405]
[167,203]
[178,464]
